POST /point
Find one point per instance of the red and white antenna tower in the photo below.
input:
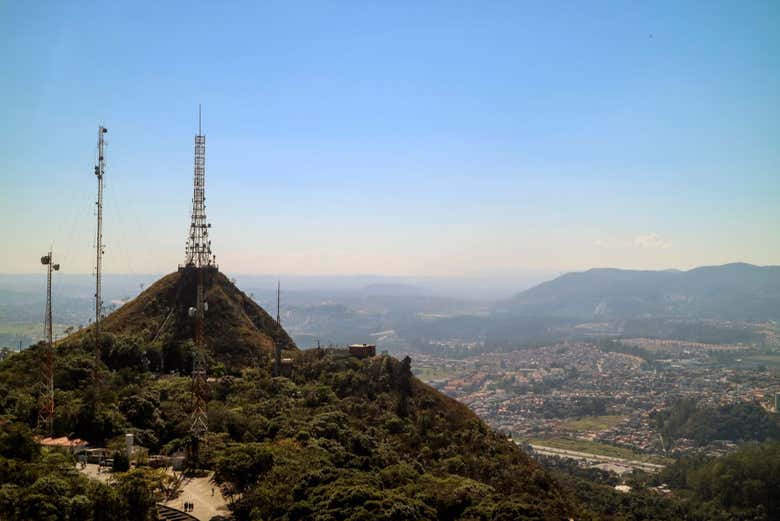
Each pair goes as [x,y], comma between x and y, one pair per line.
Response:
[46,413]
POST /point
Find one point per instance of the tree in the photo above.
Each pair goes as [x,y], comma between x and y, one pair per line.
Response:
[137,490]
[120,462]
[17,442]
[243,465]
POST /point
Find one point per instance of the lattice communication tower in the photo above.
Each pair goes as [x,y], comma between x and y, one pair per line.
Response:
[46,410]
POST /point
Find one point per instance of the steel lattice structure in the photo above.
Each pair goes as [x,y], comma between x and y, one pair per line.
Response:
[46,410]
[198,249]
[199,257]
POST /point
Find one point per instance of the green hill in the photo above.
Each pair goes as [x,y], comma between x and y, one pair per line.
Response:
[336,438]
[238,332]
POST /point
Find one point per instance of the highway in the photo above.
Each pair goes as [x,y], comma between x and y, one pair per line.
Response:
[596,458]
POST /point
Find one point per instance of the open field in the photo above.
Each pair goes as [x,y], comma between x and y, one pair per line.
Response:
[593,423]
[433,373]
[29,333]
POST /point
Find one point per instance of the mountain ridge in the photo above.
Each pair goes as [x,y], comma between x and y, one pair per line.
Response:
[738,291]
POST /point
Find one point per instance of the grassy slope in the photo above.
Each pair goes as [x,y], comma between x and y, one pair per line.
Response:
[237,329]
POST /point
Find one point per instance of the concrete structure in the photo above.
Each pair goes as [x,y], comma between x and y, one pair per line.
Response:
[362,350]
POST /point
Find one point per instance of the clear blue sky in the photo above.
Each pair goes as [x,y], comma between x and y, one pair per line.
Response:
[414,138]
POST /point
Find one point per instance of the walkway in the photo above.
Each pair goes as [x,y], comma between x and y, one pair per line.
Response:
[198,492]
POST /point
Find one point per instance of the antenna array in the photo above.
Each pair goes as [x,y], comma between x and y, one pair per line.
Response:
[100,169]
[198,249]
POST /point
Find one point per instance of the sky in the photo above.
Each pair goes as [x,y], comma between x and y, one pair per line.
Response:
[398,138]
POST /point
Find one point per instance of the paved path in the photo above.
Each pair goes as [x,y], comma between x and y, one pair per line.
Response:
[198,491]
[91,470]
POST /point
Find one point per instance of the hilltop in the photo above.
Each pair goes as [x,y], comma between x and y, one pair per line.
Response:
[238,331]
[729,292]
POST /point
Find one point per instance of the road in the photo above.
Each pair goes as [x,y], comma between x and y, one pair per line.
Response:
[596,458]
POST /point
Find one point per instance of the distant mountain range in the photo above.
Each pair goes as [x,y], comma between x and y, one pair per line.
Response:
[736,291]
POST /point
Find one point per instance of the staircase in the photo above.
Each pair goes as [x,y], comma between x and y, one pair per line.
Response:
[171,514]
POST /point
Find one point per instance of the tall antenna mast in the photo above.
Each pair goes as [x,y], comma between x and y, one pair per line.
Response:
[199,257]
[46,413]
[198,250]
[100,169]
[278,301]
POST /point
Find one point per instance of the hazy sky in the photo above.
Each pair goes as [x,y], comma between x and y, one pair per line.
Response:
[405,138]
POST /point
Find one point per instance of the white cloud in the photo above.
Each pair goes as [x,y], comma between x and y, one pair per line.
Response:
[651,240]
[599,243]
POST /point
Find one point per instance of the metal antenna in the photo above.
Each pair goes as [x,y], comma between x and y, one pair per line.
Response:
[199,425]
[199,257]
[198,250]
[100,169]
[46,413]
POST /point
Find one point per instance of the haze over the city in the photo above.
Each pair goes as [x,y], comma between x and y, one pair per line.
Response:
[398,139]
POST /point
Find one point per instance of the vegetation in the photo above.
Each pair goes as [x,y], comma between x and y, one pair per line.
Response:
[740,487]
[593,423]
[337,437]
[744,485]
[735,422]
[43,485]
[351,439]
[239,333]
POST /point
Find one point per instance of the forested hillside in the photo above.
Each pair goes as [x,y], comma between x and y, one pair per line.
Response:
[339,437]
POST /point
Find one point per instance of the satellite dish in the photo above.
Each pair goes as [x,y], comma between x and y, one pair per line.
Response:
[56,267]
[191,312]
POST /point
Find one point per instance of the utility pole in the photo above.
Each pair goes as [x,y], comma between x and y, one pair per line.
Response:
[46,413]
[199,257]
[100,169]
